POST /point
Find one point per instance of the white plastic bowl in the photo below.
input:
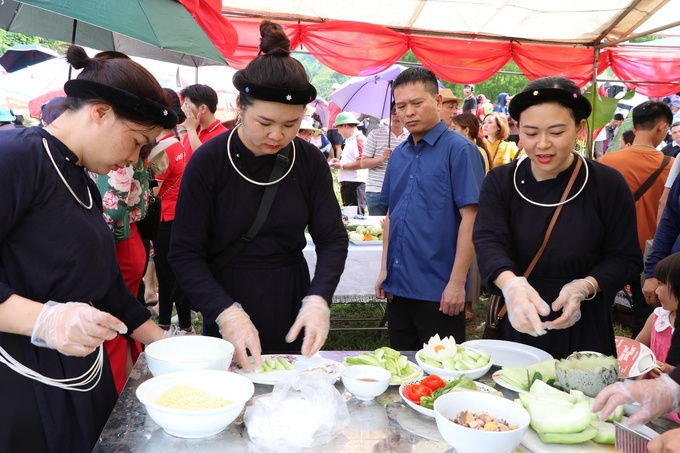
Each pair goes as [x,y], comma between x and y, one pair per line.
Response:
[189,352]
[196,424]
[365,382]
[467,440]
[472,374]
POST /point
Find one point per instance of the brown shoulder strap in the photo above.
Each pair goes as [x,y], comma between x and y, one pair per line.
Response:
[548,232]
[551,225]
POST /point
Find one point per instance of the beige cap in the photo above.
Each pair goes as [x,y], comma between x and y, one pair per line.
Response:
[448,96]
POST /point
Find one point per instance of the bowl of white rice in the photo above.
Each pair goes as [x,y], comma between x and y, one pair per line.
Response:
[194,404]
[188,352]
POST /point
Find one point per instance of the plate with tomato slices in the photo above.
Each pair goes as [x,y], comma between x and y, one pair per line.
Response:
[425,386]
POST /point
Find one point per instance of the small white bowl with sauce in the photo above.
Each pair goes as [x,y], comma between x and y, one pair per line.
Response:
[365,382]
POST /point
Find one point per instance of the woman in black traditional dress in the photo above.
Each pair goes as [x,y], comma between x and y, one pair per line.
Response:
[61,290]
[262,298]
[565,305]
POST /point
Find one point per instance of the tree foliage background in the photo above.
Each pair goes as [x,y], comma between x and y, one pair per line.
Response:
[8,40]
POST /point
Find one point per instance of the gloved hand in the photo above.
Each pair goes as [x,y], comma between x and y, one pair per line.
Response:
[236,327]
[74,328]
[524,306]
[315,317]
[656,397]
[569,300]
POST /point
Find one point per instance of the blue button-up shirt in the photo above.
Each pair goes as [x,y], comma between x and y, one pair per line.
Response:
[425,186]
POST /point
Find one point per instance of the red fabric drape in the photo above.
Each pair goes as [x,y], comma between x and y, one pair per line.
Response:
[458,60]
[353,48]
[208,14]
[647,63]
[575,63]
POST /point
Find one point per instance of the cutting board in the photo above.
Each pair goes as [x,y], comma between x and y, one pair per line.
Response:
[531,443]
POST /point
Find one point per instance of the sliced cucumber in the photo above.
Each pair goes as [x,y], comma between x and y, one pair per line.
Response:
[587,434]
[573,421]
[605,433]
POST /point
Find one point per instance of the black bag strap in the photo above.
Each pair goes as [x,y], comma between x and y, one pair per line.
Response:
[652,178]
[281,165]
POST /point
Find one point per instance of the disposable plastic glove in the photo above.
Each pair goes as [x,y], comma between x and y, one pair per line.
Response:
[656,397]
[74,328]
[315,317]
[236,327]
[524,306]
[569,300]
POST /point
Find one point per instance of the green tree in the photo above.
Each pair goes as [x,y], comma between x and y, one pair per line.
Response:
[8,40]
[320,76]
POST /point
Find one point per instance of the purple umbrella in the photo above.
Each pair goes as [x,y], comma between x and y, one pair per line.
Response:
[24,55]
[370,95]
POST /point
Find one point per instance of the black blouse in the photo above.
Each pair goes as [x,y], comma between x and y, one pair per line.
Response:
[595,235]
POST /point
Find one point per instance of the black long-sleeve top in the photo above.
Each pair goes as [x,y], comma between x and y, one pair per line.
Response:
[216,206]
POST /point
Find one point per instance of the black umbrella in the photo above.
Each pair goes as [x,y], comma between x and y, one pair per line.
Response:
[23,55]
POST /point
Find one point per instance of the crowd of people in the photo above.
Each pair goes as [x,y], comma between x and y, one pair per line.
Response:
[121,172]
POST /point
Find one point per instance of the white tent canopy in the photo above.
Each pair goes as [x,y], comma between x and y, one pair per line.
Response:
[567,21]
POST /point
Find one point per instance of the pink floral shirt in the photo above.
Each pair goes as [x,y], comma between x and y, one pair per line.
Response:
[125,197]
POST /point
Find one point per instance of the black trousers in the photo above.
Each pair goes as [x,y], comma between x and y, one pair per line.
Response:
[412,322]
[166,281]
[354,194]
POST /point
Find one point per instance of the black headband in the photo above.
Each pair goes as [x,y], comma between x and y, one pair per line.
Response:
[155,111]
[274,94]
[526,99]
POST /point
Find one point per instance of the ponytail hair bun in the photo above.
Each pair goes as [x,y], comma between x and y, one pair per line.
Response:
[77,57]
[273,41]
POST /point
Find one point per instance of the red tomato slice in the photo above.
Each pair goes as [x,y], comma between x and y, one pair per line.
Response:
[433,382]
[414,391]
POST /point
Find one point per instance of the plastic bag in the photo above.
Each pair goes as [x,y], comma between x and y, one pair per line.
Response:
[303,411]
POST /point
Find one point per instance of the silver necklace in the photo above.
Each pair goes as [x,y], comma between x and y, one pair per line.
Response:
[231,159]
[49,153]
[546,205]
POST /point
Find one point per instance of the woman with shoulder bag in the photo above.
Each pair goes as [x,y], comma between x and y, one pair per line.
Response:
[585,211]
[262,297]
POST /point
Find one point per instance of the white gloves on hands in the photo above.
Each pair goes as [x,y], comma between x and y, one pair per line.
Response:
[569,300]
[237,328]
[315,317]
[524,306]
[74,328]
[656,396]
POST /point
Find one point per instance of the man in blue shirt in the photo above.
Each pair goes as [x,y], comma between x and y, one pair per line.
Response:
[431,189]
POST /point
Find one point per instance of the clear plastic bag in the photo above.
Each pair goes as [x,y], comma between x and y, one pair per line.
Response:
[303,411]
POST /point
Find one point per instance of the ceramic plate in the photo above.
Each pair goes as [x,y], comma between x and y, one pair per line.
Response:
[508,353]
[300,362]
[498,379]
[430,412]
[366,242]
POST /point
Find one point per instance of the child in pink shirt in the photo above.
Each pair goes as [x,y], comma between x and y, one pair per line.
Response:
[658,329]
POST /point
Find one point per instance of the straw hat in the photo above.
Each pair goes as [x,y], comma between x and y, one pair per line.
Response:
[448,96]
[307,125]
